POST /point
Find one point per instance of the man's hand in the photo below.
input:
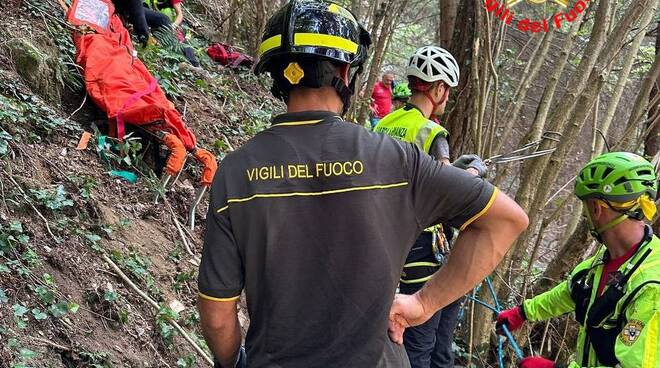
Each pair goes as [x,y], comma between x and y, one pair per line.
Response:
[406,311]
[537,362]
[513,318]
[473,164]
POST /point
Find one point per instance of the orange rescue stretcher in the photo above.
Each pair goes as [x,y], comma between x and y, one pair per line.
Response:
[119,83]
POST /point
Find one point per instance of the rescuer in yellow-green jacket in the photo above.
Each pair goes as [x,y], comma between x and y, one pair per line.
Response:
[431,72]
[616,293]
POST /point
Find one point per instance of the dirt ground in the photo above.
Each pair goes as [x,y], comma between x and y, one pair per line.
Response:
[107,323]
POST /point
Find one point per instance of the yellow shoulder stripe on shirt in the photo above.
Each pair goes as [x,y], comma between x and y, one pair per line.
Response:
[204,296]
[311,194]
[482,212]
[294,123]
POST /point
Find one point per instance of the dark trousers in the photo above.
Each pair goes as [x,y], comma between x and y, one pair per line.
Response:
[430,345]
[141,18]
[144,19]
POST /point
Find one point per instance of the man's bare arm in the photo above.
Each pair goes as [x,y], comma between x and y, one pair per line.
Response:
[478,250]
[220,327]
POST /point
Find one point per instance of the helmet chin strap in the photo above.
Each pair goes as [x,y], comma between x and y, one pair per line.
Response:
[435,104]
[346,92]
[598,232]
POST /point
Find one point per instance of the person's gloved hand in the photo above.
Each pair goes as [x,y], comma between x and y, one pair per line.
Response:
[537,362]
[471,162]
[513,318]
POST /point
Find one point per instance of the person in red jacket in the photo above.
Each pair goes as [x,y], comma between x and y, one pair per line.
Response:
[382,98]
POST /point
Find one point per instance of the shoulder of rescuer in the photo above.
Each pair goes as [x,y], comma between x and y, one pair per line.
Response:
[409,125]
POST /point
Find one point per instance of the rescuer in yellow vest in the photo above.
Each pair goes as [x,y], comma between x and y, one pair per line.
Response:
[431,72]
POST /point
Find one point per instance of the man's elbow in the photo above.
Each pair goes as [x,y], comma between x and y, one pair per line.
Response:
[520,220]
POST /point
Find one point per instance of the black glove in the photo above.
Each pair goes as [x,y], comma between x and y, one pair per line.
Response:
[471,162]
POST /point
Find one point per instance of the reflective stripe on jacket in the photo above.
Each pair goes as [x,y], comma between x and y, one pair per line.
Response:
[167,10]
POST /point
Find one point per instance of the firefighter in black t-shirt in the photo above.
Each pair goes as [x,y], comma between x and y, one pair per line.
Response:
[313,217]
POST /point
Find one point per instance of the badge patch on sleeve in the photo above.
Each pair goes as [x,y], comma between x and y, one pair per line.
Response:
[631,332]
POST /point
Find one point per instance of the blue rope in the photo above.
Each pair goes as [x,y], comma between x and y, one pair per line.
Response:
[496,309]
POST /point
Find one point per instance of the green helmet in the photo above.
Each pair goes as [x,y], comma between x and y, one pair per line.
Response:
[401,92]
[617,177]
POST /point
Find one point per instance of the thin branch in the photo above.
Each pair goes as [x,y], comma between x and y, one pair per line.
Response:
[153,303]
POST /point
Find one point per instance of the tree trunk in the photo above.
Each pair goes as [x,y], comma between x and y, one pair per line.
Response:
[356,8]
[586,77]
[534,65]
[630,138]
[382,23]
[231,24]
[586,101]
[570,254]
[615,99]
[445,29]
[458,121]
[260,23]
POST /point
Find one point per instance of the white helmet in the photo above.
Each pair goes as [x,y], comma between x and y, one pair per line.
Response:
[433,63]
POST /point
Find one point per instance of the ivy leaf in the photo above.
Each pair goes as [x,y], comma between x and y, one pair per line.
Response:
[48,279]
[23,239]
[4,268]
[27,354]
[45,294]
[16,226]
[39,315]
[3,297]
[73,307]
[110,296]
[19,310]
[58,310]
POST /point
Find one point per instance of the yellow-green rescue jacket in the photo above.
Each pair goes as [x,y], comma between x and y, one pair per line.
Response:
[167,10]
[624,333]
[409,125]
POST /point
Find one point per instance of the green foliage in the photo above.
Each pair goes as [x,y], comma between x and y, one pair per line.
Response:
[93,241]
[38,314]
[175,254]
[164,65]
[24,110]
[12,240]
[181,279]
[86,184]
[62,38]
[110,296]
[186,362]
[53,198]
[4,141]
[167,40]
[137,266]
[19,315]
[192,318]
[165,328]
[3,297]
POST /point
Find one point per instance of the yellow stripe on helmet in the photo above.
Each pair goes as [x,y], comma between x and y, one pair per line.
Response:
[270,43]
[336,9]
[324,40]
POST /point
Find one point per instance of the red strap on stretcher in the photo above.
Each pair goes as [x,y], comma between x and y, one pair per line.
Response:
[121,129]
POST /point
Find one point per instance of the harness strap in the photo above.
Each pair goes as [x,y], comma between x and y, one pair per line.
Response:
[121,130]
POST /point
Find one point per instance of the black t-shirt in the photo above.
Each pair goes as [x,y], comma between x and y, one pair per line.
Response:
[314,217]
